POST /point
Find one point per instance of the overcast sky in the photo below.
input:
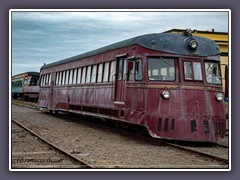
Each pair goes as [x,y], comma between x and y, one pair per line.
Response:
[45,37]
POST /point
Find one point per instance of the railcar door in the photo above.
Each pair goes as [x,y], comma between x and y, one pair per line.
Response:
[51,82]
[121,77]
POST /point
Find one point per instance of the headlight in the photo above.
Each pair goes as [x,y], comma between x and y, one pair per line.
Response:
[219,96]
[192,44]
[166,94]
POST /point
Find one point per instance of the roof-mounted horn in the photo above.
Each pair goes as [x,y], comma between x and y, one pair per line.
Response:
[188,33]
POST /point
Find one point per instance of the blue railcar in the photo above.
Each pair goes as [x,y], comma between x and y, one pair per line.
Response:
[22,80]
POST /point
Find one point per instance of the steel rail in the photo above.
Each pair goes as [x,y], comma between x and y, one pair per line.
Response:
[158,141]
[75,158]
[221,145]
[225,161]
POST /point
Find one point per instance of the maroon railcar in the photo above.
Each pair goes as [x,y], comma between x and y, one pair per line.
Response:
[169,83]
[31,93]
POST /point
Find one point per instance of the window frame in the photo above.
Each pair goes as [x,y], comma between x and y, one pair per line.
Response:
[79,75]
[131,73]
[105,77]
[57,78]
[101,74]
[83,76]
[94,74]
[49,79]
[220,72]
[193,71]
[164,58]
[74,76]
[88,74]
[112,73]
[70,77]
[66,77]
[63,77]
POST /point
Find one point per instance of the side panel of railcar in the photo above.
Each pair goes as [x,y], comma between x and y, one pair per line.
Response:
[97,97]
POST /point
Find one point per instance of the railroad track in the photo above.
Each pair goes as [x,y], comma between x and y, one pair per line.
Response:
[192,151]
[153,141]
[80,163]
[221,145]
[157,141]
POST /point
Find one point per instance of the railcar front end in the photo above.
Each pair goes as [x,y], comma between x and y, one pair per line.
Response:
[183,98]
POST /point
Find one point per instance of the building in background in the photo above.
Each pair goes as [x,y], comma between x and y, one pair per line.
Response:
[221,38]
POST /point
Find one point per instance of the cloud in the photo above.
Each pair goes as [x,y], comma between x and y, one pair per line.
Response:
[44,37]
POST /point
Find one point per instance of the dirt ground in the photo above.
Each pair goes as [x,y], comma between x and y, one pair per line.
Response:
[103,147]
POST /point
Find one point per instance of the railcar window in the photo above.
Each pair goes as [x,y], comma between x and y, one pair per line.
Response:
[71,76]
[94,73]
[44,79]
[120,69]
[83,76]
[161,69]
[41,83]
[138,70]
[112,70]
[132,72]
[106,71]
[60,78]
[213,73]
[197,70]
[193,71]
[67,77]
[100,69]
[188,70]
[18,83]
[88,74]
[74,76]
[63,78]
[124,69]
[57,76]
[33,81]
[46,82]
[49,80]
[79,75]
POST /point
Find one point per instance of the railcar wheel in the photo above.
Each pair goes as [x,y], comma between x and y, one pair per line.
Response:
[25,98]
[138,130]
[125,125]
[118,125]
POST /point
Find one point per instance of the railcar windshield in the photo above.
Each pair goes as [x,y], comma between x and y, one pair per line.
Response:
[192,70]
[161,69]
[17,83]
[213,73]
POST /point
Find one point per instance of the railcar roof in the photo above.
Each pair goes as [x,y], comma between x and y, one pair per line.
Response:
[29,73]
[164,42]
